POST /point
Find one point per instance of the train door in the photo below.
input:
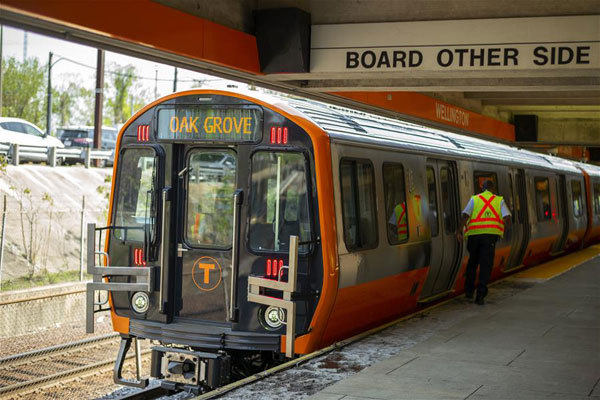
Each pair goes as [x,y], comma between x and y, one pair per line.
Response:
[444,214]
[563,214]
[208,213]
[520,219]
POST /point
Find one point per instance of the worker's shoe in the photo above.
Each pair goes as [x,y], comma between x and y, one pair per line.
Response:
[479,300]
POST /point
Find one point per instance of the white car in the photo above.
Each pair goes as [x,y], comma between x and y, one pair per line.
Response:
[19,131]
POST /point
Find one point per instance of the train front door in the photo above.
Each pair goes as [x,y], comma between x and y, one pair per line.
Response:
[444,214]
[519,230]
[207,186]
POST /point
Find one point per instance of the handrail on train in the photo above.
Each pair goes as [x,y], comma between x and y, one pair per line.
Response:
[256,283]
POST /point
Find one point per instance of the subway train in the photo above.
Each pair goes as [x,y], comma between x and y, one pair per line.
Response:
[245,229]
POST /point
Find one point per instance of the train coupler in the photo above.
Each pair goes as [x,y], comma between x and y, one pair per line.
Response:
[118,371]
[192,371]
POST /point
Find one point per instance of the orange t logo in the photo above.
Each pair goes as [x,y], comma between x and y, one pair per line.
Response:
[207,268]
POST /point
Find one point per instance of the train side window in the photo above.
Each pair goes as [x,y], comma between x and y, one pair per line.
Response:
[542,199]
[577,198]
[279,201]
[432,202]
[481,176]
[395,203]
[358,204]
[597,198]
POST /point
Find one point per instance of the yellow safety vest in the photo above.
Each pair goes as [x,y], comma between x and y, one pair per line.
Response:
[486,215]
[402,228]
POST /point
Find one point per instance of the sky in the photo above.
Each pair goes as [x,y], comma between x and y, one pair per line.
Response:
[81,60]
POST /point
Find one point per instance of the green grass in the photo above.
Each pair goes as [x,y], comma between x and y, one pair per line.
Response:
[42,279]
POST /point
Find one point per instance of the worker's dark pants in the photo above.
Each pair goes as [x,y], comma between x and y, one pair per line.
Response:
[481,252]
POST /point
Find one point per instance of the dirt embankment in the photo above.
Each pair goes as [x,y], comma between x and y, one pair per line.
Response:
[43,219]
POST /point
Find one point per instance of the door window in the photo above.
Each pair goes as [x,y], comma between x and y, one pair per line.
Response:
[432,202]
[512,200]
[577,198]
[482,176]
[279,205]
[447,201]
[395,203]
[597,198]
[358,204]
[542,199]
[209,202]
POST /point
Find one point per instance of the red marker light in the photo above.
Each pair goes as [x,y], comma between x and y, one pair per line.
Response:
[280,267]
[279,135]
[138,257]
[268,268]
[143,133]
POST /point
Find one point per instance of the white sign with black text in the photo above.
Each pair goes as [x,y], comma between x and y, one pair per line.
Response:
[544,43]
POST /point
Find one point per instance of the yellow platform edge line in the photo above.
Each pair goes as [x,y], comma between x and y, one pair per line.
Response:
[560,265]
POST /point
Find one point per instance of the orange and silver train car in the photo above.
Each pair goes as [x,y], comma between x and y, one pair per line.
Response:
[245,228]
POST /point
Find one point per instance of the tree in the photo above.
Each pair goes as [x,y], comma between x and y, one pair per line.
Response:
[23,90]
[66,105]
[121,81]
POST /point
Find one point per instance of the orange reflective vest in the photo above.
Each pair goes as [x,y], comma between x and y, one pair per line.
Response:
[401,226]
[487,212]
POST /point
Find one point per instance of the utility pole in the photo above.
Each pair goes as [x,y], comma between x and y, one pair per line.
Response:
[99,100]
[49,97]
[175,80]
[155,83]
[24,46]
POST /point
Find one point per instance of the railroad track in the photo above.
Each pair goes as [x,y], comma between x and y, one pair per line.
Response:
[26,372]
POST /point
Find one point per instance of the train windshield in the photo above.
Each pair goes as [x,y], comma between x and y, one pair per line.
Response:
[135,206]
[279,205]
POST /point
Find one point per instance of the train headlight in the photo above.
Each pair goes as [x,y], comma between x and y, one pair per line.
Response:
[272,317]
[140,302]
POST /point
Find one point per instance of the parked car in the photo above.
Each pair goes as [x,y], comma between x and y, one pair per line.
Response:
[83,136]
[18,131]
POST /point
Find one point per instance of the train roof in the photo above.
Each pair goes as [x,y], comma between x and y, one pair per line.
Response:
[359,127]
[592,170]
[355,126]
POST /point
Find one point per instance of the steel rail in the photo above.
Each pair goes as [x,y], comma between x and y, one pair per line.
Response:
[60,349]
[61,377]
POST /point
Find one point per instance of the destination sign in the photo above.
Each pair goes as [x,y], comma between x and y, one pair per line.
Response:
[210,123]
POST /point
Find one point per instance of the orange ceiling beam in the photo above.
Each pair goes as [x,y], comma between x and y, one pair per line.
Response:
[150,24]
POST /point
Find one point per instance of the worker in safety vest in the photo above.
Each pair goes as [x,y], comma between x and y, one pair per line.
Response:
[398,220]
[486,217]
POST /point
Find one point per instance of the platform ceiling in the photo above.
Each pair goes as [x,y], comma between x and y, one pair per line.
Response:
[575,90]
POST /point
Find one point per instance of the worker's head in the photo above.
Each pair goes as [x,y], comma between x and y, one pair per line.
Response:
[488,185]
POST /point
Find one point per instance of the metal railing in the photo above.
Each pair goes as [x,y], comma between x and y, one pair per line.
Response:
[52,155]
[256,284]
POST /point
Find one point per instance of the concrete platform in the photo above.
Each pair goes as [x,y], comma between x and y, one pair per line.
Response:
[542,343]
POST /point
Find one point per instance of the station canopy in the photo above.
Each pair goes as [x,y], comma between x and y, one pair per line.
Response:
[511,71]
